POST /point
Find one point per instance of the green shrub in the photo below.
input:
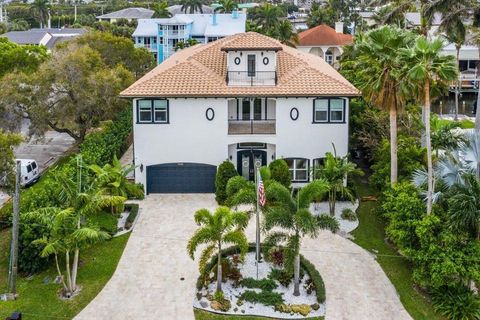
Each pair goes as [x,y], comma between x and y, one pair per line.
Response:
[348,214]
[303,309]
[133,208]
[279,172]
[136,192]
[106,222]
[316,278]
[226,170]
[281,276]
[266,298]
[263,284]
[456,303]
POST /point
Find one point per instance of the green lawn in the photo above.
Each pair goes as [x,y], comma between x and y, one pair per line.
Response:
[202,315]
[371,236]
[38,300]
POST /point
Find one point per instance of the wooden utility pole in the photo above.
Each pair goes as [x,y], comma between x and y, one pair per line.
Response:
[12,288]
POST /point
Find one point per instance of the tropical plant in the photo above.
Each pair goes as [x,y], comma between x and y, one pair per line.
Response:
[456,303]
[267,16]
[227,6]
[7,158]
[427,69]
[111,179]
[65,236]
[286,34]
[226,170]
[444,137]
[372,64]
[464,205]
[41,10]
[334,172]
[192,6]
[222,227]
[280,172]
[292,214]
[161,10]
[392,12]
[320,15]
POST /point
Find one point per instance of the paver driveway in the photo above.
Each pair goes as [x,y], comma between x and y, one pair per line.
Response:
[147,283]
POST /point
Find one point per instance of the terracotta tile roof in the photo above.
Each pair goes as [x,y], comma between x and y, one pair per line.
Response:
[323,35]
[252,41]
[200,71]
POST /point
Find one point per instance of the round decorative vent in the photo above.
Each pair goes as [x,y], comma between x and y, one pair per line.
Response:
[210,114]
[265,61]
[294,114]
[237,61]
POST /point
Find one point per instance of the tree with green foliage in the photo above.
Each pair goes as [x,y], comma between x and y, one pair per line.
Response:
[293,216]
[161,10]
[267,17]
[18,25]
[426,69]
[392,12]
[215,230]
[464,205]
[7,158]
[20,58]
[372,64]
[444,136]
[227,6]
[286,34]
[334,172]
[111,179]
[226,170]
[192,6]
[70,93]
[319,15]
[280,172]
[41,10]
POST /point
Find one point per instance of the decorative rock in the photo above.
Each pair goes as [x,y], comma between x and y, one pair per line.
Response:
[235,309]
[315,306]
[215,305]
[204,304]
[243,311]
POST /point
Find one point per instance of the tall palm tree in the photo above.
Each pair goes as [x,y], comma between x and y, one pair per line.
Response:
[292,214]
[222,227]
[227,6]
[392,12]
[41,9]
[161,10]
[427,68]
[372,64]
[464,205]
[267,16]
[286,34]
[192,6]
[334,172]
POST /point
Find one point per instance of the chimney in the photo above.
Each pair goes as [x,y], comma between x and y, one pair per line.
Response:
[214,18]
[339,27]
[234,13]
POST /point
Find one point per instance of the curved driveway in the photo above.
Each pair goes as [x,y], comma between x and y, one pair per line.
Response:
[148,281]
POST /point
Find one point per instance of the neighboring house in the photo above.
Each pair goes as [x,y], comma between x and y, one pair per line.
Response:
[245,98]
[128,14]
[325,42]
[160,36]
[46,37]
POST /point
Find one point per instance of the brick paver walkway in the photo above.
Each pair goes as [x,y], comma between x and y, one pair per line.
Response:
[148,281]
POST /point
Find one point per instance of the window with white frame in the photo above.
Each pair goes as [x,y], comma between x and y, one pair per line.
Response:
[331,110]
[152,111]
[329,57]
[298,168]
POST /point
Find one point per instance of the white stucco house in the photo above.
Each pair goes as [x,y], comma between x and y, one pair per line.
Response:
[245,98]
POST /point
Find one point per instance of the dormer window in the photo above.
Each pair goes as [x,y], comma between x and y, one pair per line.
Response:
[251,65]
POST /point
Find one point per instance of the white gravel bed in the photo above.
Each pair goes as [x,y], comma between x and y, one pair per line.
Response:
[249,269]
[345,225]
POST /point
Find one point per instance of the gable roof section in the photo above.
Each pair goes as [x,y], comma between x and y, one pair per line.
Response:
[323,35]
[200,71]
[252,41]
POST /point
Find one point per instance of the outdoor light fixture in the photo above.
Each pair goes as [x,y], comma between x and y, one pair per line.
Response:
[141,167]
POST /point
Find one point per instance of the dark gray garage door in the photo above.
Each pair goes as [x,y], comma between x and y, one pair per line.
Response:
[181,178]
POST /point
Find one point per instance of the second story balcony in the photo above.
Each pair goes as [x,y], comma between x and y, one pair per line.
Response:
[251,126]
[247,78]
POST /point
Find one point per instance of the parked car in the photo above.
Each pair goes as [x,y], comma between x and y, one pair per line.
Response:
[29,172]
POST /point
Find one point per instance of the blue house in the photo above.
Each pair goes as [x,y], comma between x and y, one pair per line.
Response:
[160,36]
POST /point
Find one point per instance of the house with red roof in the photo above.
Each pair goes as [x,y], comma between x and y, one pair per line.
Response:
[325,42]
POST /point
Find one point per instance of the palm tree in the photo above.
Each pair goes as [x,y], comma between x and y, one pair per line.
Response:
[464,205]
[426,67]
[41,9]
[292,214]
[392,12]
[285,33]
[334,171]
[192,6]
[222,227]
[227,6]
[475,40]
[111,179]
[161,10]
[443,135]
[65,237]
[267,17]
[375,69]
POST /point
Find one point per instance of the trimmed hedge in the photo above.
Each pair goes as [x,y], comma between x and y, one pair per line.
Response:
[226,170]
[133,208]
[99,147]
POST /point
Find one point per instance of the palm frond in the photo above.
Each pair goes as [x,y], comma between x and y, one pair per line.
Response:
[205,257]
[201,236]
[238,238]
[327,222]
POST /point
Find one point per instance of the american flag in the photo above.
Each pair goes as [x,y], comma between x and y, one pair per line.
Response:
[261,191]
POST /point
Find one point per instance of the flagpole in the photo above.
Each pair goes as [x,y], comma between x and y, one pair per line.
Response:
[258,223]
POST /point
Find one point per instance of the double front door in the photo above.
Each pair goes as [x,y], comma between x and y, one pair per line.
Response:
[248,161]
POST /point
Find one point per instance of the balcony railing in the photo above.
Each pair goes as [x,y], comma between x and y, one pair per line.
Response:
[251,126]
[258,78]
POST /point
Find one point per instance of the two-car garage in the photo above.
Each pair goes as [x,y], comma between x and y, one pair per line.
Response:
[181,178]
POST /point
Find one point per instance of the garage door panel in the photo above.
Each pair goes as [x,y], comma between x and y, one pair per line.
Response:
[181,178]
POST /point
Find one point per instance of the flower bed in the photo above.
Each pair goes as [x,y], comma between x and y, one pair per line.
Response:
[269,295]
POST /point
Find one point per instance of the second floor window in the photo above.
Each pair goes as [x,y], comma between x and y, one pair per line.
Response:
[251,65]
[329,110]
[152,111]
